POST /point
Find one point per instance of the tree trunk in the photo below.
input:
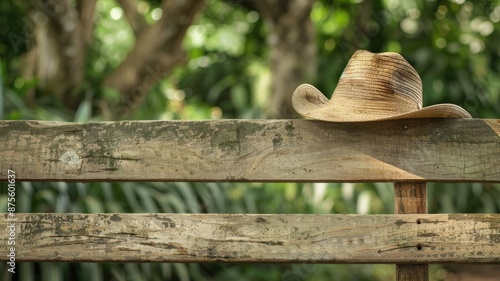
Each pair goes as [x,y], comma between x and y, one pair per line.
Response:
[57,48]
[292,41]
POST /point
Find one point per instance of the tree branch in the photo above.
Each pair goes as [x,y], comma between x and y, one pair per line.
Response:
[133,17]
[86,9]
[143,67]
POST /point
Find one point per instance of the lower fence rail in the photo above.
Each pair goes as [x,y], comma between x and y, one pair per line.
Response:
[276,238]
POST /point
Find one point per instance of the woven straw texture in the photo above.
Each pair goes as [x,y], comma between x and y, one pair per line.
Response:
[372,87]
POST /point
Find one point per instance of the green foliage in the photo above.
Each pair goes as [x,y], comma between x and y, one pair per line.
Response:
[13,38]
[112,40]
[452,46]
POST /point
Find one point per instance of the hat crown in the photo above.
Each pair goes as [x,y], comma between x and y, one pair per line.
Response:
[373,87]
[379,85]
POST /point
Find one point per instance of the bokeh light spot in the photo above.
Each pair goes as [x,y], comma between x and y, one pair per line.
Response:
[409,26]
[116,13]
[441,12]
[495,15]
[413,13]
[143,7]
[19,82]
[476,46]
[216,112]
[329,45]
[486,28]
[156,14]
[252,17]
[440,43]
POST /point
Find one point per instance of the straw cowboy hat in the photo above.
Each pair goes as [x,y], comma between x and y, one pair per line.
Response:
[372,87]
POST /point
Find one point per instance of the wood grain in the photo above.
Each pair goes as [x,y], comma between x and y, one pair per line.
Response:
[443,238]
[411,198]
[412,272]
[253,150]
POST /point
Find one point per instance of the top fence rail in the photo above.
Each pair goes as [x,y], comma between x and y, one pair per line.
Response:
[450,150]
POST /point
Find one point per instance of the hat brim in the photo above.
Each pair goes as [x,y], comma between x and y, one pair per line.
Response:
[311,103]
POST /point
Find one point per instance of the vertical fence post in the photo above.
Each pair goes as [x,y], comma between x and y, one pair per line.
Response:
[411,198]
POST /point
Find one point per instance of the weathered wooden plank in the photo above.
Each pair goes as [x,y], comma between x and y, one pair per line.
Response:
[411,198]
[252,150]
[439,238]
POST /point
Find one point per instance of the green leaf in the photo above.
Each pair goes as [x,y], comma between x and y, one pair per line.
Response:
[84,112]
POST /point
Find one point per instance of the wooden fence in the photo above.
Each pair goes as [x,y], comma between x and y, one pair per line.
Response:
[407,152]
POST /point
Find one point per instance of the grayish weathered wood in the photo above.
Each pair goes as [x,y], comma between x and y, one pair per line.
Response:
[411,198]
[455,238]
[252,150]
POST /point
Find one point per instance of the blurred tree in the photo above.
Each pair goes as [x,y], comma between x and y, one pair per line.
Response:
[62,32]
[56,54]
[292,42]
[157,50]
